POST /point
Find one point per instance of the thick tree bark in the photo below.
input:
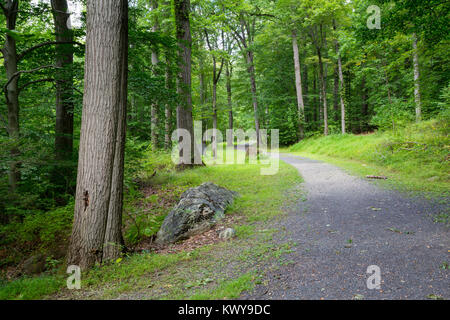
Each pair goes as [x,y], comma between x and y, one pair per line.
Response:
[96,234]
[184,108]
[10,60]
[416,79]
[229,70]
[298,87]
[114,243]
[64,81]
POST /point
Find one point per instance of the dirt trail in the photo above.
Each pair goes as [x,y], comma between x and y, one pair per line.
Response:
[347,224]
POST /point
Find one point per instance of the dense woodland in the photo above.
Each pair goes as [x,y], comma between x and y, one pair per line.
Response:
[100,92]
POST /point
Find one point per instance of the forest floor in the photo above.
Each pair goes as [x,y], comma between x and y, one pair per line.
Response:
[202,267]
[294,240]
[347,224]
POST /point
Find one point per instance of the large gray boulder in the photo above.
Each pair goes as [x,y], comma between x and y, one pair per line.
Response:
[198,209]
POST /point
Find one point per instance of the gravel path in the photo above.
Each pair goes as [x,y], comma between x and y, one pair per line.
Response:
[347,224]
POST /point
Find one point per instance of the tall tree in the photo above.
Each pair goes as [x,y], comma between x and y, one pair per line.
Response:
[11,89]
[341,81]
[64,80]
[298,86]
[184,108]
[243,28]
[228,74]
[216,77]
[167,108]
[416,78]
[155,60]
[317,37]
[96,234]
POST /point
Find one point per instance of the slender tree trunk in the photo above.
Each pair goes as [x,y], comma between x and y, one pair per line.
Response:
[228,71]
[167,110]
[342,93]
[316,105]
[154,107]
[305,90]
[298,87]
[9,51]
[64,81]
[214,112]
[184,108]
[416,79]
[336,94]
[96,234]
[251,72]
[341,82]
[203,91]
[324,93]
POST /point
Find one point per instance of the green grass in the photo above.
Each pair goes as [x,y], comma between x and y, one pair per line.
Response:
[30,288]
[227,289]
[222,270]
[413,158]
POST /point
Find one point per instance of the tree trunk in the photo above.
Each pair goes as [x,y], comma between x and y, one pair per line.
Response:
[342,94]
[305,90]
[154,107]
[96,234]
[9,51]
[251,73]
[184,108]
[324,93]
[167,110]
[316,105]
[229,70]
[416,79]
[298,87]
[113,244]
[64,81]
[214,112]
[341,83]
[336,94]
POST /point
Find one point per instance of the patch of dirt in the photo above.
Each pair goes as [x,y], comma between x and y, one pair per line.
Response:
[206,238]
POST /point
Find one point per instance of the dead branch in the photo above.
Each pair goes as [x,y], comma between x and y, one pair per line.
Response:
[376,177]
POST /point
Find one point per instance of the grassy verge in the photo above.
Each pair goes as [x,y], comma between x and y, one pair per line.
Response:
[218,271]
[414,158]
